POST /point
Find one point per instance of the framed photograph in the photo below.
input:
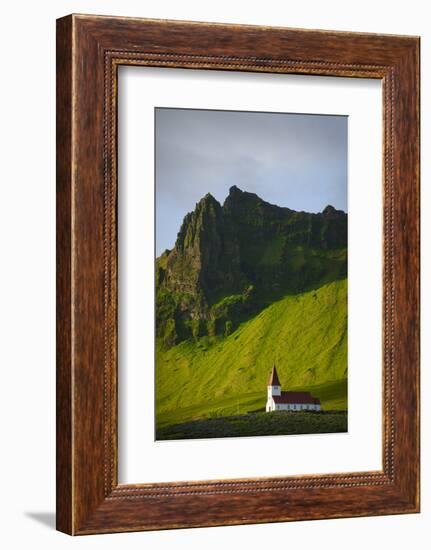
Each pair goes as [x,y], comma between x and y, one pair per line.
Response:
[237,274]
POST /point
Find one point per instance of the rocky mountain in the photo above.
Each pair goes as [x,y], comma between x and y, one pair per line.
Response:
[231,261]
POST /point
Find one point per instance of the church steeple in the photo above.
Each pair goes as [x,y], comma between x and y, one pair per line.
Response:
[273,378]
[274,386]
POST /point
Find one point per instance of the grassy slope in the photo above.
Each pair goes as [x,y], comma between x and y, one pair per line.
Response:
[304,335]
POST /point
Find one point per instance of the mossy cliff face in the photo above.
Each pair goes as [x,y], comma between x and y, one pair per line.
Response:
[230,261]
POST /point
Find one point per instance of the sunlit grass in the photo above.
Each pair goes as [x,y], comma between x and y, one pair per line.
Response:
[305,335]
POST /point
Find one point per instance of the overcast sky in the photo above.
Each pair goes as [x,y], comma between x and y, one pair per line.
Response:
[298,161]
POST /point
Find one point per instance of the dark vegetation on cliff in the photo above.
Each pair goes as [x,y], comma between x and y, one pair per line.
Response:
[231,261]
[258,423]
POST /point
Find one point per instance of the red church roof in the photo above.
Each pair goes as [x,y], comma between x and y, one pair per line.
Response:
[296,397]
[273,378]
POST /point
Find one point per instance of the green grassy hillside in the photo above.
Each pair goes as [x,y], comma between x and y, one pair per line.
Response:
[304,335]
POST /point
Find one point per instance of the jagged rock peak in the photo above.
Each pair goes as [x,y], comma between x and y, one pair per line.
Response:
[238,197]
[330,211]
[243,251]
[237,193]
[208,199]
[234,190]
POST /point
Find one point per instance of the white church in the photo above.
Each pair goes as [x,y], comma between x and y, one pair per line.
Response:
[288,400]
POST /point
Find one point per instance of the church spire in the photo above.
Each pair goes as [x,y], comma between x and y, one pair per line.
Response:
[273,378]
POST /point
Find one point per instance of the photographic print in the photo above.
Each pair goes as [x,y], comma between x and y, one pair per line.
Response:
[251,273]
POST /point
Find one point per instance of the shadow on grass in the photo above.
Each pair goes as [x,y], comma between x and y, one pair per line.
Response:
[258,424]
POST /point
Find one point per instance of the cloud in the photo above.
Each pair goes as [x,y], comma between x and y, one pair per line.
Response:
[293,160]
